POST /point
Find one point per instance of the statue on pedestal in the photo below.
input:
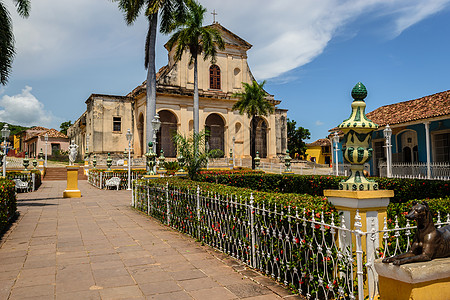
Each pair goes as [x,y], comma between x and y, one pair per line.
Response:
[73,152]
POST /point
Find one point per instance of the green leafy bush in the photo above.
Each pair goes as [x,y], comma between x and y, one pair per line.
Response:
[404,189]
[8,204]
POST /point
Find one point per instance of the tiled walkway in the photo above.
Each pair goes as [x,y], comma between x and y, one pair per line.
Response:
[97,247]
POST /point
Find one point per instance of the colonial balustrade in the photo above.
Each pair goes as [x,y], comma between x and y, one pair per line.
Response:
[310,251]
[418,170]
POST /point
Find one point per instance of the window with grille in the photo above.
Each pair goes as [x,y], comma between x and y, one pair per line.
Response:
[214,77]
[117,123]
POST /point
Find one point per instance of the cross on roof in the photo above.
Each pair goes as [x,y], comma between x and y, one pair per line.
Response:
[214,16]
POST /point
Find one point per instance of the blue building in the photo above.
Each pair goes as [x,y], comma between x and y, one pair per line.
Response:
[420,137]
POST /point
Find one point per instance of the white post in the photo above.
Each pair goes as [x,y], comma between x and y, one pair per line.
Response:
[336,162]
[46,140]
[387,135]
[427,139]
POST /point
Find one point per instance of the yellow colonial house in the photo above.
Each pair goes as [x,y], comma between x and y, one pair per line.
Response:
[319,151]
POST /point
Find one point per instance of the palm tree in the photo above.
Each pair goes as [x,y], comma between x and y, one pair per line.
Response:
[194,151]
[192,35]
[253,102]
[168,9]
[7,50]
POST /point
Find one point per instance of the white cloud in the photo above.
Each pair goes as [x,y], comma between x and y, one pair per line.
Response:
[24,109]
[286,34]
[319,123]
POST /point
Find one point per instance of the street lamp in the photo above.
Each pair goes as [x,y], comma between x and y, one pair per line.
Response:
[336,142]
[5,136]
[156,124]
[234,153]
[387,135]
[46,140]
[129,136]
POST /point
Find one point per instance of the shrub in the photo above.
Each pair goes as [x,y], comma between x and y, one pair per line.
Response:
[404,189]
[8,203]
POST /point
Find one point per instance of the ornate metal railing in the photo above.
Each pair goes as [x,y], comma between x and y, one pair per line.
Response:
[98,179]
[29,178]
[297,248]
[418,170]
[305,250]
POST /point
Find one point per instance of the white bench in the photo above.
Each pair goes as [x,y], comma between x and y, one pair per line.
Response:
[113,181]
[20,185]
[120,162]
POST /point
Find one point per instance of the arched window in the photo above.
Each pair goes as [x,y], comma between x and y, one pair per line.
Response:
[166,133]
[214,77]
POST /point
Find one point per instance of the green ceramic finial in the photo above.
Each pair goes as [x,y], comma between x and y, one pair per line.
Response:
[359,92]
[150,144]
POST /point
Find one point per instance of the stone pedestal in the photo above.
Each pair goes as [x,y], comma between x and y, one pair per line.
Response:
[416,281]
[371,206]
[72,190]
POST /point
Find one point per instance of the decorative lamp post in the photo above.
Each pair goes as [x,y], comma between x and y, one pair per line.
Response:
[387,135]
[336,143]
[46,140]
[26,161]
[94,161]
[156,124]
[150,159]
[257,160]
[234,142]
[287,163]
[358,139]
[129,136]
[161,160]
[5,135]
[109,162]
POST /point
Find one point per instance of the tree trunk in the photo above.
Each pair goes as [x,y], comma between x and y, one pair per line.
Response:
[151,81]
[253,141]
[196,105]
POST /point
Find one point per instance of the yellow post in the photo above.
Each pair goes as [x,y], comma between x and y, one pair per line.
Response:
[72,190]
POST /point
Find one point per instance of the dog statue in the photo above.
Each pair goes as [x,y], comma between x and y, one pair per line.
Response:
[429,242]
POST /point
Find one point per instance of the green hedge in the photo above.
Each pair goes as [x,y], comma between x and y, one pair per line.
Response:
[284,200]
[8,203]
[404,189]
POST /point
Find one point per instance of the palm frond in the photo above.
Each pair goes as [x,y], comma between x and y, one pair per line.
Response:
[23,7]
[6,44]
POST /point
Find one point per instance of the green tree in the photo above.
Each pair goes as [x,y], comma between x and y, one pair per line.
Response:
[253,102]
[64,126]
[190,34]
[295,136]
[193,149]
[168,10]
[7,50]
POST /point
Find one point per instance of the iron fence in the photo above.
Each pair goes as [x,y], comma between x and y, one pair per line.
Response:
[308,251]
[30,178]
[417,170]
[98,179]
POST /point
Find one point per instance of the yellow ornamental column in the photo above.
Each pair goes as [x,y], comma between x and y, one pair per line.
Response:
[357,194]
[72,190]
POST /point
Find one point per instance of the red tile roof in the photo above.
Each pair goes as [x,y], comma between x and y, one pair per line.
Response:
[320,142]
[53,133]
[413,110]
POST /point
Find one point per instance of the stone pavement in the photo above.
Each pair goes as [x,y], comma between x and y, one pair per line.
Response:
[97,247]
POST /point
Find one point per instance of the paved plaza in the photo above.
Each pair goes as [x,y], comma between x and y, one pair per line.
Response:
[98,247]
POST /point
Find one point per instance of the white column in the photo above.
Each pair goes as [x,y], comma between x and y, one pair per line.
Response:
[427,139]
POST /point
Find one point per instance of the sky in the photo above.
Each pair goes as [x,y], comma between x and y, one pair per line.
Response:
[310,52]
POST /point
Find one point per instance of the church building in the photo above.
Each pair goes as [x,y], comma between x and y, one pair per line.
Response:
[103,126]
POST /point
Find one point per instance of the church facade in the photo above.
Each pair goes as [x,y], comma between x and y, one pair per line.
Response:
[103,126]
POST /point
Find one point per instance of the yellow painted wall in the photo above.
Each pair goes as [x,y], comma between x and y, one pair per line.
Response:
[316,151]
[16,142]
